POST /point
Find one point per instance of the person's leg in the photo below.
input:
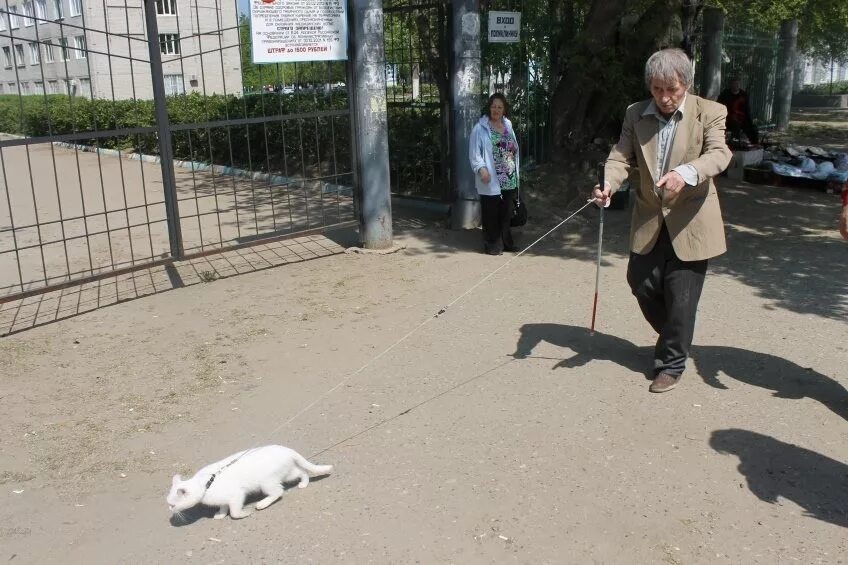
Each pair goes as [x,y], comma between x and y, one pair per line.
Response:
[490,216]
[735,129]
[752,132]
[645,274]
[683,283]
[507,209]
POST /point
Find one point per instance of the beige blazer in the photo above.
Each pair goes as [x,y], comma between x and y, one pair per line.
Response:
[693,217]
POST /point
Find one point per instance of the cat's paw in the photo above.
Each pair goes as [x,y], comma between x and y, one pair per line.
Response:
[220,516]
[239,515]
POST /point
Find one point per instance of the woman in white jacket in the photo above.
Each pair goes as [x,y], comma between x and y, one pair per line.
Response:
[493,152]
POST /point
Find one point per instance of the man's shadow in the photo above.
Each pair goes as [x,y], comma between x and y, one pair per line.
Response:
[775,469]
[785,378]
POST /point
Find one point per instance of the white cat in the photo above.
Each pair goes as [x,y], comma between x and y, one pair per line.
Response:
[227,483]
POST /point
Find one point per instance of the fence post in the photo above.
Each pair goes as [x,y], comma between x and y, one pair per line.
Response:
[163,126]
[371,122]
[465,79]
[713,35]
[785,73]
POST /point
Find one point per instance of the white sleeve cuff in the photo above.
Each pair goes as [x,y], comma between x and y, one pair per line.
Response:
[689,174]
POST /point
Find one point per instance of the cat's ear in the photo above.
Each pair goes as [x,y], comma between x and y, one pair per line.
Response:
[176,479]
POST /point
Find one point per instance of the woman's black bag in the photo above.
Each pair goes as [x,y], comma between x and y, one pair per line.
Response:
[519,212]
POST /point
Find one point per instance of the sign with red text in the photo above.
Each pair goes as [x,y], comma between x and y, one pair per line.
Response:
[287,31]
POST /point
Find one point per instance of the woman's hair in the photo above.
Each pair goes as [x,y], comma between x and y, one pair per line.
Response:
[669,65]
[502,98]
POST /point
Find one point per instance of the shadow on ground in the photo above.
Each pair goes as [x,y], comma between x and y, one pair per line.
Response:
[785,378]
[782,242]
[44,309]
[775,470]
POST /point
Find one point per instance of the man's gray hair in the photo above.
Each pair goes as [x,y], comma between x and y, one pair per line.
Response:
[669,65]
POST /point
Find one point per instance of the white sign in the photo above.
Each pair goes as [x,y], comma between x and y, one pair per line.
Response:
[504,27]
[286,31]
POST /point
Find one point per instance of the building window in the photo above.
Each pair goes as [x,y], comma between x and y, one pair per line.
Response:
[7,57]
[70,88]
[79,47]
[19,55]
[14,20]
[2,22]
[28,14]
[63,43]
[174,85]
[53,87]
[48,51]
[24,88]
[41,11]
[34,53]
[166,7]
[39,87]
[169,43]
[57,7]
[75,6]
[85,87]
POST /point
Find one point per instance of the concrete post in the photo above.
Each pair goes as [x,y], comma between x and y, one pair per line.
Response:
[713,35]
[367,60]
[465,80]
[785,73]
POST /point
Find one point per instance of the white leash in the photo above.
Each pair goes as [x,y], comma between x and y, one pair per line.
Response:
[347,379]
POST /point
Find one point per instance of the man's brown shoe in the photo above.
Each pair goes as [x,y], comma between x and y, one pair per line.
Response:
[664,383]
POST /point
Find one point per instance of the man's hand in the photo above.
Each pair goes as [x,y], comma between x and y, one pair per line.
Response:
[484,175]
[601,196]
[843,222]
[672,182]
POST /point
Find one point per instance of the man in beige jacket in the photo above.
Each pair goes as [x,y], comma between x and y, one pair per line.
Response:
[677,140]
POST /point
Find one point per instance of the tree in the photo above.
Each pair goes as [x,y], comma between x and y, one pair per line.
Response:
[600,69]
[822,24]
[597,56]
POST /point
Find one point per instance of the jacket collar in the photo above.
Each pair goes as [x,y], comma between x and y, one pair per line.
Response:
[646,132]
[484,121]
[652,110]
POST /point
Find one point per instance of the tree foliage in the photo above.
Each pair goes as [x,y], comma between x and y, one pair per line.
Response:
[822,24]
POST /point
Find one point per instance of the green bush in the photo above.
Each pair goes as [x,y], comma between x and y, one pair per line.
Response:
[308,146]
[840,87]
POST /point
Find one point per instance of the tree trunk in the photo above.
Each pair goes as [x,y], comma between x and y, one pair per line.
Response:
[584,86]
[606,76]
[690,11]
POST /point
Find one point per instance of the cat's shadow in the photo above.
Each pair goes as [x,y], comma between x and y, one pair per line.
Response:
[201,512]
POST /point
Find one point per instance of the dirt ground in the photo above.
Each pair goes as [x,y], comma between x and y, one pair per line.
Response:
[498,432]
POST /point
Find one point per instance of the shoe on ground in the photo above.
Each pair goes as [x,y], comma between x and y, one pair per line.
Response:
[664,382]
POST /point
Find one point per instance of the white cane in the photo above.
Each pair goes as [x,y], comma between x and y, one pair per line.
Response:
[600,249]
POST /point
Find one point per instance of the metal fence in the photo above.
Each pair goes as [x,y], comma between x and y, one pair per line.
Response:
[135,133]
[522,72]
[417,41]
[751,55]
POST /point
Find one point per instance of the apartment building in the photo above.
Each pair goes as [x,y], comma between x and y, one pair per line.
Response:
[813,72]
[99,48]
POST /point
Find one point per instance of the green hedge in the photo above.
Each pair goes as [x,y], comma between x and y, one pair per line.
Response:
[840,87]
[305,146]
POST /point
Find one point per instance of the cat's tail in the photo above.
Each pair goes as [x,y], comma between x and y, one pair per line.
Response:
[311,468]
